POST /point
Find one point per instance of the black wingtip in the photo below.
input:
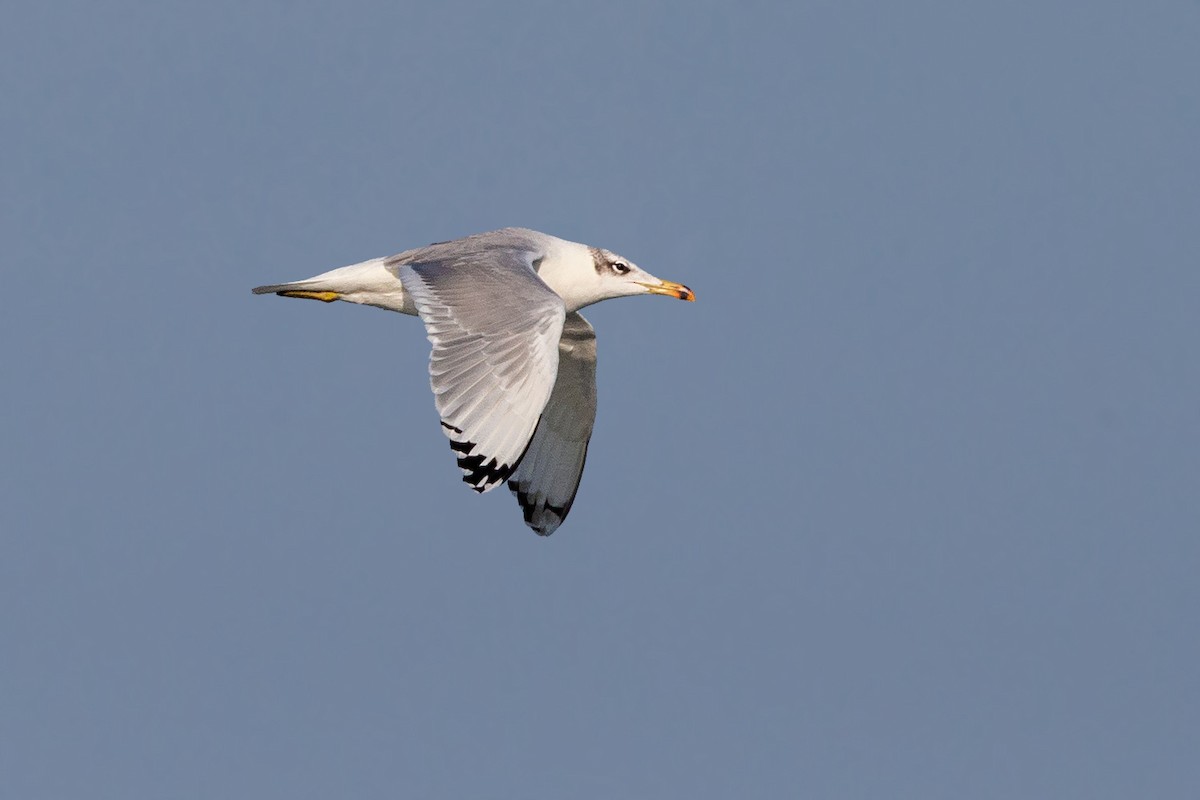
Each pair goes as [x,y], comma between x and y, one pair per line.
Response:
[483,476]
[542,517]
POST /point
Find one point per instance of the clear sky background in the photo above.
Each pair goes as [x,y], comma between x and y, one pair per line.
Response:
[905,505]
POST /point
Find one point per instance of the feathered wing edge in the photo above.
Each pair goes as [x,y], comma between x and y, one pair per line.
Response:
[495,329]
[547,477]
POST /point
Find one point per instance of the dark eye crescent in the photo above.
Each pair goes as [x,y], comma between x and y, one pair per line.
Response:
[620,267]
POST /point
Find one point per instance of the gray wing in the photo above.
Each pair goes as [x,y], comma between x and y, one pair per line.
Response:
[495,328]
[547,478]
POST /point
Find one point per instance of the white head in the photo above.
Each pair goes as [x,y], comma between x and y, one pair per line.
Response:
[583,275]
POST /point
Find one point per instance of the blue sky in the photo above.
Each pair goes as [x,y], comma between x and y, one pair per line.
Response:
[903,506]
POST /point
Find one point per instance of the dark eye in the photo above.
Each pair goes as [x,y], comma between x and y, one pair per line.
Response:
[620,267]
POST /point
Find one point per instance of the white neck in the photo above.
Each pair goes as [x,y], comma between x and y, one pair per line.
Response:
[569,269]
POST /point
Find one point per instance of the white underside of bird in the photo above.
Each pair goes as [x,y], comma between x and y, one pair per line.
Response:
[513,366]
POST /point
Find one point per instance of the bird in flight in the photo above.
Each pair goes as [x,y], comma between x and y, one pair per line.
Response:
[513,367]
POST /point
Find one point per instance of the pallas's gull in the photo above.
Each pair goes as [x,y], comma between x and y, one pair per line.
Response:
[513,367]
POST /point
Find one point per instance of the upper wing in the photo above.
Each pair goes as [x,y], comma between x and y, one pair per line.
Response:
[548,476]
[495,327]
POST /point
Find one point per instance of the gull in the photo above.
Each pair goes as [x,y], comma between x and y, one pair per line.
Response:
[513,366]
